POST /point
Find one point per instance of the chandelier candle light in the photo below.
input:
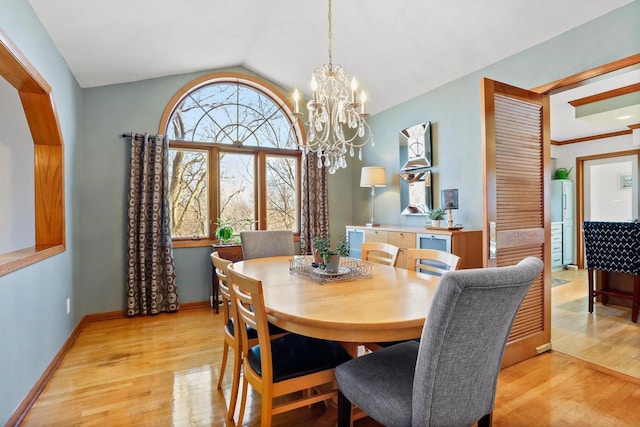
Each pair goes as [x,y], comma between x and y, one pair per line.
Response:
[336,114]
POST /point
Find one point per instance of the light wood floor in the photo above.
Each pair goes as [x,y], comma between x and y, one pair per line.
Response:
[606,337]
[162,371]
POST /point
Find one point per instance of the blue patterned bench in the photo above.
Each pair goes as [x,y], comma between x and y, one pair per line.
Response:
[613,247]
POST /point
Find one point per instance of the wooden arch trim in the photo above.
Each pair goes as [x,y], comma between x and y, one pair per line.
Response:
[37,102]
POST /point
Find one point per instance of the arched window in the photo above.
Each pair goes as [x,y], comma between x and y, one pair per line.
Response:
[234,156]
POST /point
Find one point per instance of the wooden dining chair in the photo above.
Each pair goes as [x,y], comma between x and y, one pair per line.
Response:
[284,365]
[448,378]
[432,261]
[231,339]
[380,253]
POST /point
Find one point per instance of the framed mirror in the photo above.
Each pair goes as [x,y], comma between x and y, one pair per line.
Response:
[415,146]
[417,194]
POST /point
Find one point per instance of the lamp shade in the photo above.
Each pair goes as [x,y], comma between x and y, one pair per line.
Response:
[373,176]
[449,199]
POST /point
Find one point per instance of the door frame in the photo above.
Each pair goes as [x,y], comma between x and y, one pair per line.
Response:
[580,195]
[568,83]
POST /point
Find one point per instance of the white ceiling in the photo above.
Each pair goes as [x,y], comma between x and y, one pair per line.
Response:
[397,49]
[564,124]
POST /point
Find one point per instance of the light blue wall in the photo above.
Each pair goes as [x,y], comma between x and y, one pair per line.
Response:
[33,317]
[92,270]
[109,111]
[454,110]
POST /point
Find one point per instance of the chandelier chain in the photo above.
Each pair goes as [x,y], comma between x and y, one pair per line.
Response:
[330,36]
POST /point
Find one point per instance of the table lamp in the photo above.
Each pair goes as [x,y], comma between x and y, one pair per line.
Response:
[449,200]
[373,176]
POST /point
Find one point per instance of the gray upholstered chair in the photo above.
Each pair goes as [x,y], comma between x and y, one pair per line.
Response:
[449,378]
[265,243]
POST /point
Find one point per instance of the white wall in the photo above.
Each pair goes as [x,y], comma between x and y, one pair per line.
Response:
[605,204]
[605,200]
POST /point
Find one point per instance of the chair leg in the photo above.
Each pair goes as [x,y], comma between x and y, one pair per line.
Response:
[344,410]
[243,401]
[225,351]
[237,363]
[267,408]
[486,420]
[590,294]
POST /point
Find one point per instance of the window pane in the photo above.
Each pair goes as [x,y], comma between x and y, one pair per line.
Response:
[231,113]
[282,197]
[237,191]
[189,192]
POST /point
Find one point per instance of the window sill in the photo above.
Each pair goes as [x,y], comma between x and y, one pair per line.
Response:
[192,243]
[12,261]
[201,243]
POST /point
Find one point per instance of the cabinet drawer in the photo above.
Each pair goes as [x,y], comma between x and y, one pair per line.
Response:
[402,240]
[556,247]
[556,260]
[376,236]
[556,228]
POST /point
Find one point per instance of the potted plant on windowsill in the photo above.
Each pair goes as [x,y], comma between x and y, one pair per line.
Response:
[224,232]
[436,215]
[326,258]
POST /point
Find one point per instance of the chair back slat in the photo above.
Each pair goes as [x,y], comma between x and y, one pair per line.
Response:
[432,261]
[221,265]
[248,295]
[380,253]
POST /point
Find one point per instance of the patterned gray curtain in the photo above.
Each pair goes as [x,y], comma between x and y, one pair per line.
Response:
[151,278]
[314,217]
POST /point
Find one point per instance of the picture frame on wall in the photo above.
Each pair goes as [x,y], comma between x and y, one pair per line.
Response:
[625,181]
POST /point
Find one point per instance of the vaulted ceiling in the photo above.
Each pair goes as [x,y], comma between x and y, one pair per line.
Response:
[397,49]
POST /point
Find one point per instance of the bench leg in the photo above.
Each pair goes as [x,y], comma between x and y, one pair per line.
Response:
[636,299]
[590,294]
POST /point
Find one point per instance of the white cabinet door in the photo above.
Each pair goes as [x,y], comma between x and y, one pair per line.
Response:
[355,237]
[567,201]
[567,244]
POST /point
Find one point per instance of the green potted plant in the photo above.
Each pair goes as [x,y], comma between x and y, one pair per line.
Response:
[436,215]
[224,232]
[326,258]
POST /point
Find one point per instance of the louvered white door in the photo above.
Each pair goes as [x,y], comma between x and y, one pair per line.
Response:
[517,216]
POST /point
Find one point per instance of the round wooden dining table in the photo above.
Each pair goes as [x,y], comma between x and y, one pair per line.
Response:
[390,305]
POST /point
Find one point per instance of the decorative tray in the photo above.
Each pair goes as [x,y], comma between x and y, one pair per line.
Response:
[350,269]
[455,227]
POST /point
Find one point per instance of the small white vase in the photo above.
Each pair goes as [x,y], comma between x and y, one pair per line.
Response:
[435,223]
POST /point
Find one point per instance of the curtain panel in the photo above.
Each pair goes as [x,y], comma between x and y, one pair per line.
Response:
[151,278]
[314,216]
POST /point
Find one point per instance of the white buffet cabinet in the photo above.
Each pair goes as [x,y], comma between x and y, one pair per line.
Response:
[467,244]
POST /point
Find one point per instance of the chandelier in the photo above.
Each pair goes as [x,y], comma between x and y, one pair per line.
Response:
[336,114]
